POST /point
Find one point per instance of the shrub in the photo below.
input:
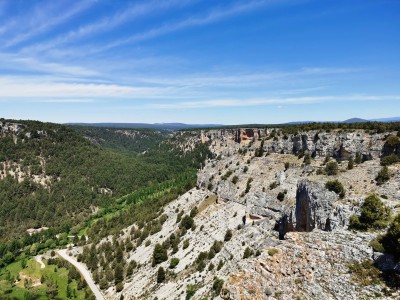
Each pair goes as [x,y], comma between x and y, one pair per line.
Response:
[228,235]
[160,275]
[248,252]
[392,141]
[272,252]
[159,254]
[336,186]
[187,222]
[217,285]
[273,185]
[307,159]
[194,212]
[248,185]
[374,215]
[350,164]
[365,273]
[220,265]
[211,267]
[245,169]
[389,160]
[287,166]
[358,159]
[217,246]
[190,291]
[391,241]
[174,262]
[376,244]
[119,287]
[226,175]
[383,176]
[185,244]
[235,179]
[331,168]
[281,196]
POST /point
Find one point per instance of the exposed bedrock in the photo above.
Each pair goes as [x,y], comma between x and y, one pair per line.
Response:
[315,207]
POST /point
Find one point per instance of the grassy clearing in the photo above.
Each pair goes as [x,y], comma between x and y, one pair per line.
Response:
[17,282]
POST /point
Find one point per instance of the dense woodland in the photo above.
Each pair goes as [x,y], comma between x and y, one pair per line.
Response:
[123,140]
[79,177]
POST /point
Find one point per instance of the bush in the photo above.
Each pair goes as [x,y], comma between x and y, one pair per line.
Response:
[160,275]
[391,241]
[248,185]
[235,179]
[226,175]
[159,254]
[185,244]
[307,159]
[272,252]
[374,215]
[119,287]
[248,252]
[376,244]
[392,141]
[350,164]
[217,246]
[174,262]
[273,185]
[217,285]
[336,186]
[331,168]
[383,176]
[228,235]
[281,196]
[194,212]
[365,273]
[190,291]
[389,160]
[187,222]
[287,165]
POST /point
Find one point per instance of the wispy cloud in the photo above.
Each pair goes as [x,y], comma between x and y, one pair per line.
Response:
[269,101]
[37,88]
[231,78]
[211,17]
[109,23]
[28,64]
[63,101]
[44,20]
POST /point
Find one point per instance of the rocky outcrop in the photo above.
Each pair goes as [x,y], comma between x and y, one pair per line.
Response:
[338,144]
[315,208]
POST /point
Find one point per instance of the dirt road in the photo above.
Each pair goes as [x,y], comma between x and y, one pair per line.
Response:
[96,291]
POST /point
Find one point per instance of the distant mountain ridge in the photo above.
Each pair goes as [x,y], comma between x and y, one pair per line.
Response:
[179,126]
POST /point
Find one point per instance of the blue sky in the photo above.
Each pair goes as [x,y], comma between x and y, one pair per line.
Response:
[194,61]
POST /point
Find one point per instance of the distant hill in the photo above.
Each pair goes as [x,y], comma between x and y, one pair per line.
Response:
[355,120]
[394,119]
[163,126]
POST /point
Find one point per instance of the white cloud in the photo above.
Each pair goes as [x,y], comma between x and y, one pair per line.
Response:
[128,14]
[28,88]
[42,19]
[213,16]
[268,101]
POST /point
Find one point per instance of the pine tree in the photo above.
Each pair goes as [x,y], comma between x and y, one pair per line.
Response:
[160,275]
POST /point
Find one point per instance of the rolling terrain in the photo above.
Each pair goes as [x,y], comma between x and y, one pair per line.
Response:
[302,211]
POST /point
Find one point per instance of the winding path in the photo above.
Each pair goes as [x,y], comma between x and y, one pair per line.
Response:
[38,258]
[96,291]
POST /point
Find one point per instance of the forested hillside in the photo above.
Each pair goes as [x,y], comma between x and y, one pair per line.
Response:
[125,140]
[52,176]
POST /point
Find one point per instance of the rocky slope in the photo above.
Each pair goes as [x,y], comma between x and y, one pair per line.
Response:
[295,243]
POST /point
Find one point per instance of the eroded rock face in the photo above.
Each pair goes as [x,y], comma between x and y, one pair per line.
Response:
[338,144]
[315,208]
